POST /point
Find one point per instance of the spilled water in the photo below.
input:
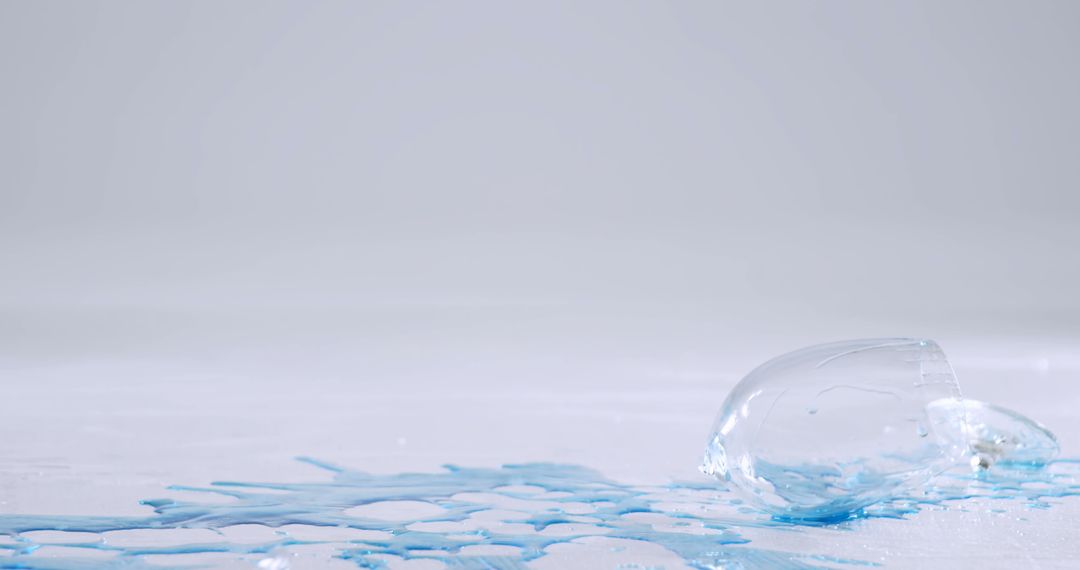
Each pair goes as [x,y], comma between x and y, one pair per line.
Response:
[471,518]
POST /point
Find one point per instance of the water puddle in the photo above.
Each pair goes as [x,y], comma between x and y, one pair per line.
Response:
[472,518]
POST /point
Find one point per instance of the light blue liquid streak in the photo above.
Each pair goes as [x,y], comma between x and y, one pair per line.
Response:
[703,532]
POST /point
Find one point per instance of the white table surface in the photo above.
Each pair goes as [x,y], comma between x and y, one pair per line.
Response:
[103,409]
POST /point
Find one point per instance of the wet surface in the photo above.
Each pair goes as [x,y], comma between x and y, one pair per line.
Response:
[90,436]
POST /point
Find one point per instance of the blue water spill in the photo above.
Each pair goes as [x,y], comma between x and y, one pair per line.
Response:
[529,507]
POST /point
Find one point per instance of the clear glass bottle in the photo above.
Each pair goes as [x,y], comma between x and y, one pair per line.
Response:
[818,434]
